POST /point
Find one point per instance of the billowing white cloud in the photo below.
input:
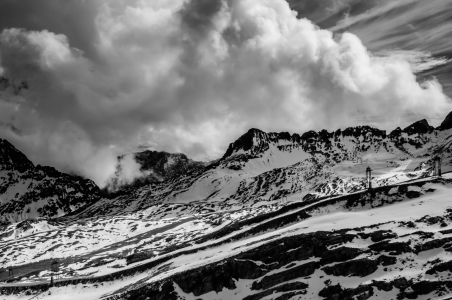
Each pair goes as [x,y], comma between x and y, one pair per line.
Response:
[191,76]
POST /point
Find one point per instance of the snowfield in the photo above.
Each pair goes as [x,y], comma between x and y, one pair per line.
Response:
[335,218]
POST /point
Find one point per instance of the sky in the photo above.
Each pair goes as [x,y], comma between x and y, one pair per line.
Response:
[85,81]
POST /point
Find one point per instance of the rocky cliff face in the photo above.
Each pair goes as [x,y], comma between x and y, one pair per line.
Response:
[28,191]
[350,142]
[163,166]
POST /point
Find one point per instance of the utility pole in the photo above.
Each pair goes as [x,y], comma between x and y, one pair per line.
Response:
[54,269]
[437,166]
[369,178]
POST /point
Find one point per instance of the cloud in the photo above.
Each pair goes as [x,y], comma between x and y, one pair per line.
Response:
[420,61]
[372,14]
[407,24]
[191,76]
[73,18]
[418,30]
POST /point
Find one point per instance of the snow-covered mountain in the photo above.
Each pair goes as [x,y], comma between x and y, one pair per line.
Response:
[263,168]
[28,191]
[279,216]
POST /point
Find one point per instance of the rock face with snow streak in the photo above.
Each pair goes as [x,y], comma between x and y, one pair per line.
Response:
[28,191]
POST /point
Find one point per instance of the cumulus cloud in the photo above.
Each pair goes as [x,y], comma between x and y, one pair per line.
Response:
[191,76]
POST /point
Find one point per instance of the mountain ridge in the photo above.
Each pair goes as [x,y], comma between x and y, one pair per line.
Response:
[280,216]
[246,154]
[28,191]
[260,169]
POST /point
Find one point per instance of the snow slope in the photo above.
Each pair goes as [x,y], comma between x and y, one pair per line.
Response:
[279,216]
[378,245]
[266,167]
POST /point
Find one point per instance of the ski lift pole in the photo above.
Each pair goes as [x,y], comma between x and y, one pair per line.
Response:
[437,166]
[369,178]
[54,269]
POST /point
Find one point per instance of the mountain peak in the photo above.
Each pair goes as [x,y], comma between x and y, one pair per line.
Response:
[447,123]
[246,142]
[421,126]
[11,158]
[28,192]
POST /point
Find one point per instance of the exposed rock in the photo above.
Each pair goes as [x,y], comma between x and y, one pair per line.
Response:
[396,248]
[358,267]
[447,123]
[13,159]
[157,166]
[330,291]
[379,235]
[339,255]
[281,288]
[286,275]
[446,266]
[419,127]
[437,243]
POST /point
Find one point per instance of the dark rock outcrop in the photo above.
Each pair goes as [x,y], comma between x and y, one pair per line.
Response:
[13,159]
[379,235]
[447,123]
[359,267]
[395,248]
[165,165]
[281,288]
[442,267]
[419,127]
[292,273]
[157,166]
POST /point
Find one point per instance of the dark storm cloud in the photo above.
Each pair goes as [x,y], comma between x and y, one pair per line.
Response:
[190,76]
[73,18]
